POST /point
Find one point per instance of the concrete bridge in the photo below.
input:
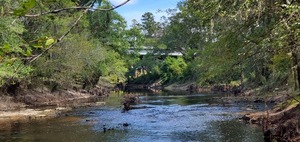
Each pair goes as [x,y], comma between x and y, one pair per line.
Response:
[139,71]
[149,50]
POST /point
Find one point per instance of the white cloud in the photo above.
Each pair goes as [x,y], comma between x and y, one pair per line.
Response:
[117,2]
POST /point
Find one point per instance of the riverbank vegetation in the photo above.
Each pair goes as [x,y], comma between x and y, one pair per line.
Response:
[80,45]
[250,44]
[254,43]
[61,44]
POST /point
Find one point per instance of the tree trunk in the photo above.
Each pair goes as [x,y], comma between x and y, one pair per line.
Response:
[296,69]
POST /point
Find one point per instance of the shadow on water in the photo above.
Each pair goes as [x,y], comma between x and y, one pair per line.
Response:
[164,117]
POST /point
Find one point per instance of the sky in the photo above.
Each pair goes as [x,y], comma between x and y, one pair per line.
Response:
[134,9]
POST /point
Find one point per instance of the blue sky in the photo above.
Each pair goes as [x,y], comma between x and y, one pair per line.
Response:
[136,8]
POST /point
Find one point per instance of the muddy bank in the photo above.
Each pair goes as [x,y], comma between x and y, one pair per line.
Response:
[280,123]
[43,97]
[179,86]
[153,87]
[39,104]
[193,87]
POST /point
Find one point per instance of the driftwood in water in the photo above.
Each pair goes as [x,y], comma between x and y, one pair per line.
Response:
[129,99]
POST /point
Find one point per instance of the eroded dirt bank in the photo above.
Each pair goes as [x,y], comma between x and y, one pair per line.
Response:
[30,105]
[281,124]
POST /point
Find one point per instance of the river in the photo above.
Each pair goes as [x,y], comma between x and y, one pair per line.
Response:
[163,117]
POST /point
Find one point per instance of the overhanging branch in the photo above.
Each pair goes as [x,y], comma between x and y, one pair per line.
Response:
[74,24]
[63,36]
[75,8]
[33,58]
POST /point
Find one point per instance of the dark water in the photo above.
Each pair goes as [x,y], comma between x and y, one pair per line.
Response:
[162,118]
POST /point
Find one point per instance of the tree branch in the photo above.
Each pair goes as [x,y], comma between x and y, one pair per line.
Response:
[72,27]
[33,58]
[63,36]
[75,8]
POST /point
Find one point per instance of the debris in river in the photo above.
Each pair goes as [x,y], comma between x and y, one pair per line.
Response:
[129,99]
[125,124]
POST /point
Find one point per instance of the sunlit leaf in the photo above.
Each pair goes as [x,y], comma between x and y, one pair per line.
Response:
[49,41]
[37,46]
[27,52]
[5,48]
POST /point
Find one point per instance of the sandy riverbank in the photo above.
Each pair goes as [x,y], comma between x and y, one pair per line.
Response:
[31,105]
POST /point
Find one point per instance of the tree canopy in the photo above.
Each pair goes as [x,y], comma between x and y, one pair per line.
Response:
[252,42]
[55,43]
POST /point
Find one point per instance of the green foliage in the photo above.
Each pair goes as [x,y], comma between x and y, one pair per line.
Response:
[238,41]
[149,25]
[113,68]
[254,42]
[152,63]
[110,28]
[12,71]
[78,60]
[25,7]
[281,63]
[134,36]
[173,68]
[12,51]
[74,62]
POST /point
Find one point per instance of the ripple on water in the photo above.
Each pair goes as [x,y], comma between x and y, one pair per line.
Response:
[175,118]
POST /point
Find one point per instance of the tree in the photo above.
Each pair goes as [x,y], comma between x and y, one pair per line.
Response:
[173,68]
[110,29]
[36,28]
[135,36]
[13,49]
[149,25]
[236,40]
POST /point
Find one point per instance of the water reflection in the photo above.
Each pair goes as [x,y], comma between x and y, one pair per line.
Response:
[165,118]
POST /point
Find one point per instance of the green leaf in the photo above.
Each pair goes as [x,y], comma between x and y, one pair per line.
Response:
[27,52]
[5,48]
[37,46]
[25,8]
[49,41]
[2,10]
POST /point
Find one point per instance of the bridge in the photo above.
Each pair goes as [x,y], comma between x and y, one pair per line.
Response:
[139,71]
[149,50]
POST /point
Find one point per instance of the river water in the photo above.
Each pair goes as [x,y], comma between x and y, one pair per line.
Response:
[162,117]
